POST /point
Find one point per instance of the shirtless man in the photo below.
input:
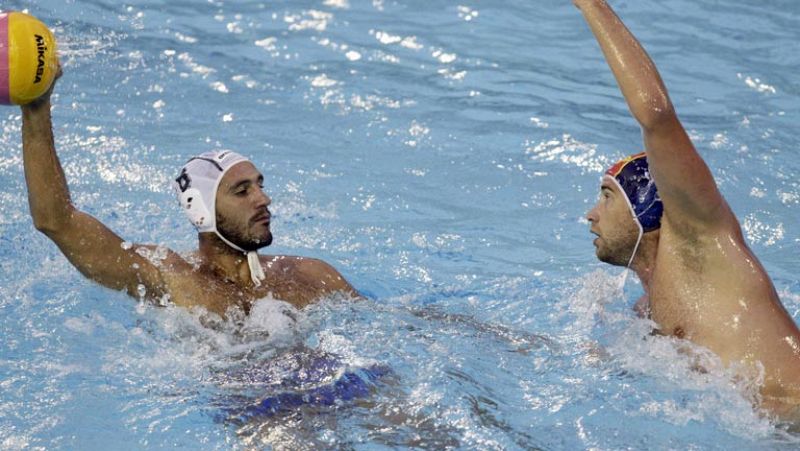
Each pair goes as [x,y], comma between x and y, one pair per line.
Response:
[233,222]
[701,281]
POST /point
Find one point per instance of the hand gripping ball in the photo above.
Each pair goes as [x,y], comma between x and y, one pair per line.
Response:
[28,61]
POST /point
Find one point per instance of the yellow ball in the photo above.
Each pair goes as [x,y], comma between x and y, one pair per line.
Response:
[28,61]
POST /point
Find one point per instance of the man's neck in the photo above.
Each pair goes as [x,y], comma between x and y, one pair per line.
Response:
[644,261]
[223,260]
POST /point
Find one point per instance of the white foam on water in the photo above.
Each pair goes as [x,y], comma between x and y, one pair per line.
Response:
[15,442]
[568,150]
[709,391]
[340,4]
[759,231]
[308,20]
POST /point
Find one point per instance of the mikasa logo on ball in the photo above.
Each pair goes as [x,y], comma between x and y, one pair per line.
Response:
[28,59]
[41,47]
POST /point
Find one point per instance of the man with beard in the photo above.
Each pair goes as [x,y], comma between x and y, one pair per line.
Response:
[221,193]
[701,280]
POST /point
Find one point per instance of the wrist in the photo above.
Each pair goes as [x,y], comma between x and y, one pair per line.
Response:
[38,106]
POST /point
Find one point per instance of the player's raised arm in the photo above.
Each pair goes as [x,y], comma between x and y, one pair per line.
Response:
[684,181]
[88,244]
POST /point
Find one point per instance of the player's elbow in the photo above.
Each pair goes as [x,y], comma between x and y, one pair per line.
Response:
[51,224]
[45,225]
[656,116]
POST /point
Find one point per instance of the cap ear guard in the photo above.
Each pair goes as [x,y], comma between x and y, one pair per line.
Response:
[632,176]
[649,209]
[192,202]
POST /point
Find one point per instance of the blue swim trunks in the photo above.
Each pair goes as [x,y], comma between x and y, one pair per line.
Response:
[291,382]
[350,385]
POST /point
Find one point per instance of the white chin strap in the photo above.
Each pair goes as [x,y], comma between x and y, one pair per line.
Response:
[633,255]
[256,271]
[624,277]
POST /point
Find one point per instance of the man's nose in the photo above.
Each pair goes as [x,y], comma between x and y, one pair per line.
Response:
[263,199]
[591,215]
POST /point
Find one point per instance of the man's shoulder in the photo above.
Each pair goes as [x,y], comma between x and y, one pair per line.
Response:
[167,261]
[310,271]
[296,264]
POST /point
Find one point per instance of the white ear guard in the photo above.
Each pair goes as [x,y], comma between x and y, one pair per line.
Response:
[192,202]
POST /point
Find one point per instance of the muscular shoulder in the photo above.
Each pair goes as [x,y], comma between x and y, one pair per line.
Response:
[299,267]
[309,271]
[147,271]
[163,259]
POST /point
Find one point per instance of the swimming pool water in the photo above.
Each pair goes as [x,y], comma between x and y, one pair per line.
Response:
[441,155]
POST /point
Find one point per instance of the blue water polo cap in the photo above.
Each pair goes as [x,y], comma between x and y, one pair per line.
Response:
[632,176]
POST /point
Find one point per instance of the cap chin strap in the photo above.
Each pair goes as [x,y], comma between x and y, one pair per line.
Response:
[633,255]
[638,239]
[256,271]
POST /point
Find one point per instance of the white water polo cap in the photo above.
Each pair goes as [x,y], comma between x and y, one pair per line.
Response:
[197,186]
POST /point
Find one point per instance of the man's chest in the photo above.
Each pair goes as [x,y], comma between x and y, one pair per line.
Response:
[195,289]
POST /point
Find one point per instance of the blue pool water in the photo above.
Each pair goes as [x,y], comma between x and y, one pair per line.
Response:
[441,155]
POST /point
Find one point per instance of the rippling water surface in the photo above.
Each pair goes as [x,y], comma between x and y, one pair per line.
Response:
[441,155]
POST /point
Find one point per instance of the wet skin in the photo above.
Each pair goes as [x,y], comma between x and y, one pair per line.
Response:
[709,288]
[215,277]
[702,282]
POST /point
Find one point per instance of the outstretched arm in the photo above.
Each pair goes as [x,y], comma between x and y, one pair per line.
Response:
[684,181]
[89,245]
